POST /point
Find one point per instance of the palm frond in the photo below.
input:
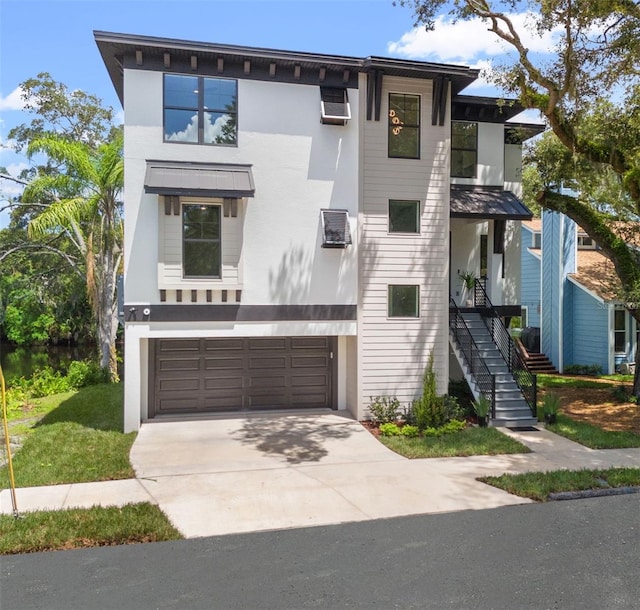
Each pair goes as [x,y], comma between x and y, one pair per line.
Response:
[76,156]
[59,214]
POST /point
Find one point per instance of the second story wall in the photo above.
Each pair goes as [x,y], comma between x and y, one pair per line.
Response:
[272,247]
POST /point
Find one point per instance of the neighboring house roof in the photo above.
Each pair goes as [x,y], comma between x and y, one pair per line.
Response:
[486,202]
[534,225]
[597,274]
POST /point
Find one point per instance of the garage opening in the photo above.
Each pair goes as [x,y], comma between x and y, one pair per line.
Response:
[240,373]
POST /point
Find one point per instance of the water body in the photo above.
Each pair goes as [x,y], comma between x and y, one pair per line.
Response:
[23,361]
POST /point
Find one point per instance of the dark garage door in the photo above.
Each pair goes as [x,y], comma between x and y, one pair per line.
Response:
[201,375]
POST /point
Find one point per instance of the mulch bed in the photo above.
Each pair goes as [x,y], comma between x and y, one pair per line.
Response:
[600,407]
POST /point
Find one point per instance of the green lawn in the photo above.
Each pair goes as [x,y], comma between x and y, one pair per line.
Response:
[68,529]
[559,381]
[538,485]
[592,436]
[470,441]
[80,439]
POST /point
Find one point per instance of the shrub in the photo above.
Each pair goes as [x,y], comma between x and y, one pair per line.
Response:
[389,429]
[550,404]
[82,373]
[384,409]
[482,406]
[428,410]
[449,428]
[583,369]
[409,431]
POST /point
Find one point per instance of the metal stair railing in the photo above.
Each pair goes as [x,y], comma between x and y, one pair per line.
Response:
[485,380]
[503,340]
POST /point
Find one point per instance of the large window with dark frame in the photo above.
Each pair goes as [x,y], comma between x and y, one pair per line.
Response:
[404,301]
[464,149]
[404,126]
[201,254]
[200,110]
[404,216]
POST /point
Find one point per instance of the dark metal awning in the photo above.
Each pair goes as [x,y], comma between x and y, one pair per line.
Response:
[487,202]
[199,179]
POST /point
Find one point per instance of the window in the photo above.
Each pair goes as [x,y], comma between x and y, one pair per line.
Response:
[464,149]
[484,256]
[584,241]
[334,106]
[620,331]
[404,301]
[537,240]
[201,241]
[404,216]
[404,126]
[200,110]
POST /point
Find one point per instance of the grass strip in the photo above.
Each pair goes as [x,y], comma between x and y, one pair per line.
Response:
[470,441]
[79,440]
[78,528]
[592,436]
[538,485]
[559,381]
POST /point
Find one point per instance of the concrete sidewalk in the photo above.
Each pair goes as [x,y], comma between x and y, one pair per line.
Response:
[274,471]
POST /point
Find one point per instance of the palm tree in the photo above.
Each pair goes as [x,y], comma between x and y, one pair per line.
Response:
[85,207]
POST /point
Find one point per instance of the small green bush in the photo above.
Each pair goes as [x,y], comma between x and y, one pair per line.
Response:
[449,428]
[482,406]
[83,373]
[384,409]
[409,431]
[591,370]
[550,404]
[389,429]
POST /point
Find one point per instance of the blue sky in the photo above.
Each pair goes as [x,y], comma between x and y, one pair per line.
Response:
[56,36]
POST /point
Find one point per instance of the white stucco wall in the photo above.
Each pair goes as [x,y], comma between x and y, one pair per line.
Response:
[299,167]
[491,161]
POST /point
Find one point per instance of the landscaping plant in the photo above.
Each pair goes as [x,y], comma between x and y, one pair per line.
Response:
[384,409]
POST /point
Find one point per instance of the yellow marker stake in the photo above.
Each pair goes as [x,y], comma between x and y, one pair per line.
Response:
[12,483]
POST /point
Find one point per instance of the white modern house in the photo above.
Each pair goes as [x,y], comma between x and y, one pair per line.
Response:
[295,223]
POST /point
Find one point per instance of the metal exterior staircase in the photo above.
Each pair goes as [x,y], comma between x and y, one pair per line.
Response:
[492,366]
[511,407]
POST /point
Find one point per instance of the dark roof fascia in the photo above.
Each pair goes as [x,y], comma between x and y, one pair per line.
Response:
[160,43]
[114,46]
[460,76]
[485,109]
[524,131]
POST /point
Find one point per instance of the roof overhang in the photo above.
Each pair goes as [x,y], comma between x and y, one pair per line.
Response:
[199,179]
[486,202]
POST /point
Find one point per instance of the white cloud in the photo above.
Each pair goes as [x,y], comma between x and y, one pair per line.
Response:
[467,41]
[211,130]
[13,101]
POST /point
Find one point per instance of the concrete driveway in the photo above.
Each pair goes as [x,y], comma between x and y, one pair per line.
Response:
[273,471]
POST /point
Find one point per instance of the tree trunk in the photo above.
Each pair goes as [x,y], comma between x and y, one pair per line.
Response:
[107,315]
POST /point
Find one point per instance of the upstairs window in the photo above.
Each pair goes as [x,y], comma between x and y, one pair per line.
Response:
[200,110]
[404,301]
[404,216]
[464,149]
[201,241]
[404,126]
[334,106]
[335,228]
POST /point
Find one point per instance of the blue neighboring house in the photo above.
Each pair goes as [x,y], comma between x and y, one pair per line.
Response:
[568,291]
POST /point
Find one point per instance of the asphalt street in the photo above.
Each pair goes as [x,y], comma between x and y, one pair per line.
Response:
[575,554]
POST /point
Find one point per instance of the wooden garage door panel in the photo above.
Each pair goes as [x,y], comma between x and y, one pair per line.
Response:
[229,374]
[166,363]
